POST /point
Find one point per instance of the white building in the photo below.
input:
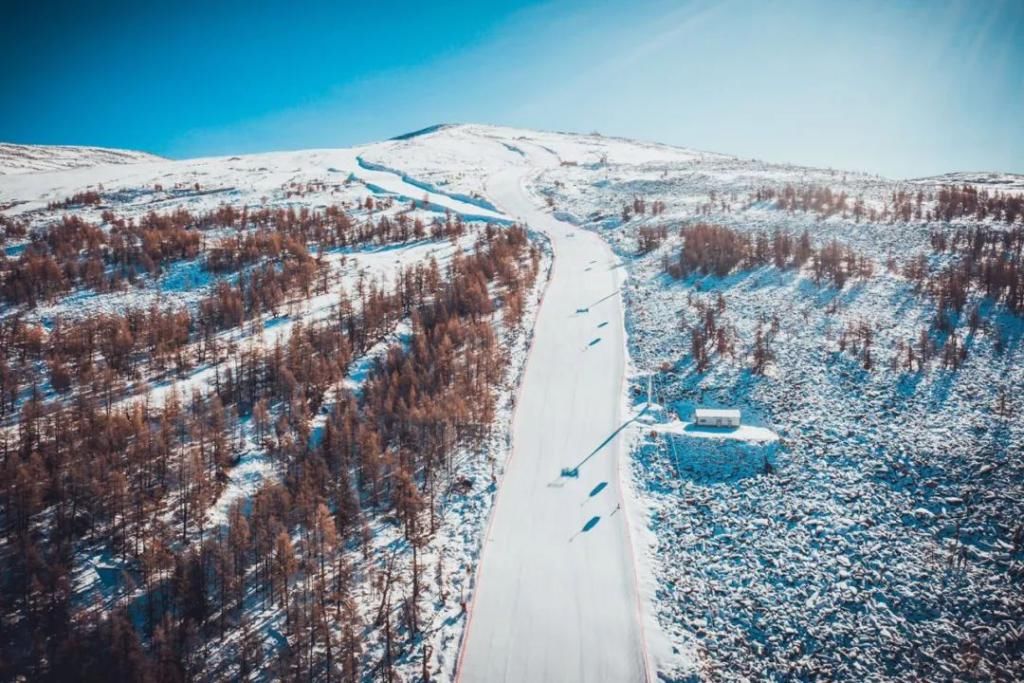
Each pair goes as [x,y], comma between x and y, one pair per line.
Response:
[717,417]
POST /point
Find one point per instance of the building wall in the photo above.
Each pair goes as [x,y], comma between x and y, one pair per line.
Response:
[717,422]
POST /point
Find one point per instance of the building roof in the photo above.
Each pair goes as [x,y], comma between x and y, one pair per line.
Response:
[733,413]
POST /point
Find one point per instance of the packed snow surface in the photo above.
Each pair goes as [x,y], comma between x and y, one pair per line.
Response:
[557,597]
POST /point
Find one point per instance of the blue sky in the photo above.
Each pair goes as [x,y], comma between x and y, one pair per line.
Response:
[902,88]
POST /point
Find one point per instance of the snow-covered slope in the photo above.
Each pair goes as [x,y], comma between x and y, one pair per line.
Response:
[991,181]
[33,158]
[879,538]
[862,525]
[297,184]
[557,594]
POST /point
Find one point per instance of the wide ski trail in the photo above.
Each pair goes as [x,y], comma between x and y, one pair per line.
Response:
[556,597]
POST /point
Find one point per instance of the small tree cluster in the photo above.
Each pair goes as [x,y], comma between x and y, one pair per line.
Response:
[708,335]
[967,201]
[719,250]
[650,237]
[856,339]
[819,199]
[86,198]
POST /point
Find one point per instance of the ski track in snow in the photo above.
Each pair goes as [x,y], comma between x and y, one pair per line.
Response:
[556,596]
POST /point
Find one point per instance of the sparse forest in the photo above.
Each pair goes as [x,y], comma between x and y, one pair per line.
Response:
[118,252]
[91,464]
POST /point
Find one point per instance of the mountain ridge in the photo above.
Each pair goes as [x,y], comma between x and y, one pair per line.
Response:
[32,158]
[21,158]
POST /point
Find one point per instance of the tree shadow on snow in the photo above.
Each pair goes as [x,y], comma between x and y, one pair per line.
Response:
[594,492]
[591,523]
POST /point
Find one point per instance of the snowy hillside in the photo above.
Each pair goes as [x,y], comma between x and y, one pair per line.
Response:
[34,158]
[881,538]
[992,181]
[424,410]
[194,266]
